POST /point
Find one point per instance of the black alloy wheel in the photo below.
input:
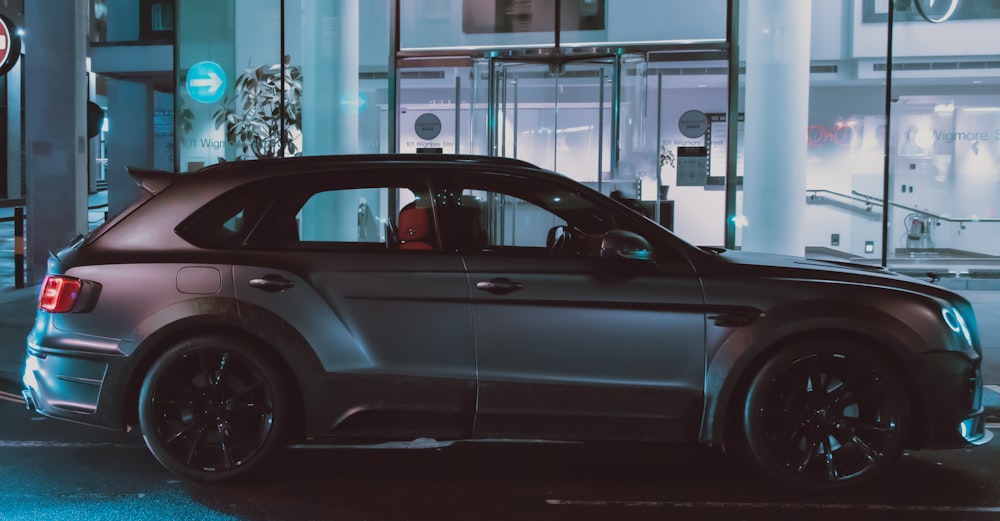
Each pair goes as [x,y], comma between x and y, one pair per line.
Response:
[825,417]
[211,408]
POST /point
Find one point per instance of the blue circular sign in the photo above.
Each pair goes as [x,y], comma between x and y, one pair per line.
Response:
[206,82]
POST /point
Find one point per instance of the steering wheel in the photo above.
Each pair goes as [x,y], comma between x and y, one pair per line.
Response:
[558,240]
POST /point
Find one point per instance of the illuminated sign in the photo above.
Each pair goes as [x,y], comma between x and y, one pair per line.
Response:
[206,82]
[10,44]
[936,11]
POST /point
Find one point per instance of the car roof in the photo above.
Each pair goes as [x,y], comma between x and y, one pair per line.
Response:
[238,172]
[307,163]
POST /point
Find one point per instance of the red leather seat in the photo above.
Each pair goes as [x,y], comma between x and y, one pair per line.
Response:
[416,231]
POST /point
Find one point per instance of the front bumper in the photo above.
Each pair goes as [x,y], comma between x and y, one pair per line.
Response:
[952,405]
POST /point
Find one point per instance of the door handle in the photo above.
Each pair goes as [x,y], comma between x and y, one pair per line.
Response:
[499,286]
[271,283]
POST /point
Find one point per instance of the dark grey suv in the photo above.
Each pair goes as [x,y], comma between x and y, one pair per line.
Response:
[237,308]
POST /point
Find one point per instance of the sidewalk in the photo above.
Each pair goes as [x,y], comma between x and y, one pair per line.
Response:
[17,313]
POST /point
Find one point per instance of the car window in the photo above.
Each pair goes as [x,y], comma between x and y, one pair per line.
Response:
[504,215]
[345,215]
[227,221]
[349,213]
[512,221]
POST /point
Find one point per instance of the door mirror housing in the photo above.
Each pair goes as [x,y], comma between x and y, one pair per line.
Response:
[621,244]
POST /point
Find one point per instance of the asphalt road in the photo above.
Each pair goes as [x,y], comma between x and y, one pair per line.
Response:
[59,471]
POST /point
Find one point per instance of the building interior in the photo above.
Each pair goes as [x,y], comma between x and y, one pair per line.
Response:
[858,130]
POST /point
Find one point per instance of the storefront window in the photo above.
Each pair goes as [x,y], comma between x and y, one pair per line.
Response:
[642,22]
[206,68]
[342,50]
[944,173]
[156,20]
[926,200]
[513,24]
[633,97]
[476,24]
[244,93]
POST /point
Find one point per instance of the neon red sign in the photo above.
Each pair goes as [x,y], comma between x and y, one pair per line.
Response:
[10,44]
[840,134]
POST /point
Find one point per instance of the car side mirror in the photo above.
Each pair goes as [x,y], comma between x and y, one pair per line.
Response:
[621,244]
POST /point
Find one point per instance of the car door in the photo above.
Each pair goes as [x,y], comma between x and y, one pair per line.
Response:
[570,344]
[390,324]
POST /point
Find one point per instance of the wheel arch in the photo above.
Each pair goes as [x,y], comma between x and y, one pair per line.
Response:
[730,372]
[289,355]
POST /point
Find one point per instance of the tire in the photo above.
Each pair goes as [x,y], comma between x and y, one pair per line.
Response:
[825,416]
[211,408]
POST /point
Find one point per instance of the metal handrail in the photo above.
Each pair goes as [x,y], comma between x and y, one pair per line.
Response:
[871,200]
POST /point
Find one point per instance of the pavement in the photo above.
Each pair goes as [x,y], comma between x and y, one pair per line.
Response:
[17,311]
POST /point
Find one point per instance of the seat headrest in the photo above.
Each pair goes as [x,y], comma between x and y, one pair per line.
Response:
[415,228]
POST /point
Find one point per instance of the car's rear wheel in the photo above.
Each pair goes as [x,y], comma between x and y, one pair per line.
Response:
[824,416]
[212,408]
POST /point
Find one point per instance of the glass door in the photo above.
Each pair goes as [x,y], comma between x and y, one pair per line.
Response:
[435,105]
[688,100]
[555,115]
[563,113]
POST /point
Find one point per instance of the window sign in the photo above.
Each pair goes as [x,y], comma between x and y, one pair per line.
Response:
[934,11]
[206,82]
[692,166]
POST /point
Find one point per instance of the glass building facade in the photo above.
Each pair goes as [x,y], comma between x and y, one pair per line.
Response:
[859,130]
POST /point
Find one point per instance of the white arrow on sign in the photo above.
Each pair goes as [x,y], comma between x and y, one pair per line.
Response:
[213,82]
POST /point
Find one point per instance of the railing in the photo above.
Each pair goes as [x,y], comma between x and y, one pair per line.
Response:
[871,201]
[18,221]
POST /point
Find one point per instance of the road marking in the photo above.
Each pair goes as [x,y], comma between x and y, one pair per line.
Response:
[758,506]
[27,444]
[994,388]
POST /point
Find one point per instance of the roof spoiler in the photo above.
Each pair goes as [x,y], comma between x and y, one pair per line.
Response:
[150,180]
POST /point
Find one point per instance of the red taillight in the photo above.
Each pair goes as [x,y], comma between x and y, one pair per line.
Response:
[59,293]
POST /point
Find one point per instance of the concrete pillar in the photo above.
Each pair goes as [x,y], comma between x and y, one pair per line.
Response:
[777,109]
[55,127]
[129,138]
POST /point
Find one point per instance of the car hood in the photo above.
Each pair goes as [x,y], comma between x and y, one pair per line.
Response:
[785,266]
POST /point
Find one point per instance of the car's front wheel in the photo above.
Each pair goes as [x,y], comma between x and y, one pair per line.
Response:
[212,408]
[825,415]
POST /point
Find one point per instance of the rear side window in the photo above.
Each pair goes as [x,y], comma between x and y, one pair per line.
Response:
[227,221]
[363,211]
[349,213]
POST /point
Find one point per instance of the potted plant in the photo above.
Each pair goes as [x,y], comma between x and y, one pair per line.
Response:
[255,119]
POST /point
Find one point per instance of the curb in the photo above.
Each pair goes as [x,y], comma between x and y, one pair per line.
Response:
[991,402]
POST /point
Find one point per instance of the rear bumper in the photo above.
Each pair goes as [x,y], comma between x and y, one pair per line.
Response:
[69,387]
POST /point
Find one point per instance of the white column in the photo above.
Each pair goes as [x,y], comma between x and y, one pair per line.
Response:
[777,108]
[129,138]
[329,76]
[330,65]
[55,126]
